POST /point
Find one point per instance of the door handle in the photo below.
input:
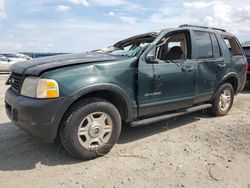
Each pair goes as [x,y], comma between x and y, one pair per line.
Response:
[221,65]
[157,81]
[187,69]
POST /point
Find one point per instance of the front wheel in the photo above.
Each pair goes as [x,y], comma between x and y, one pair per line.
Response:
[91,129]
[223,100]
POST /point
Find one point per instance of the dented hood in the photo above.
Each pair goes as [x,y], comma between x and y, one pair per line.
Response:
[37,66]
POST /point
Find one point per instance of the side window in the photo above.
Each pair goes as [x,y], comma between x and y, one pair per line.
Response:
[173,47]
[203,44]
[216,47]
[232,45]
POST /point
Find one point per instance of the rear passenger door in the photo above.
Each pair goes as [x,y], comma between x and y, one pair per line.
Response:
[210,64]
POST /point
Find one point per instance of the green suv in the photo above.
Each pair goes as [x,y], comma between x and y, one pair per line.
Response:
[85,98]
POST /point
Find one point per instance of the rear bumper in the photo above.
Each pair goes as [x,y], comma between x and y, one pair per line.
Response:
[39,118]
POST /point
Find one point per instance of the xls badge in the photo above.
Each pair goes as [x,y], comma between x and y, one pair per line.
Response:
[152,94]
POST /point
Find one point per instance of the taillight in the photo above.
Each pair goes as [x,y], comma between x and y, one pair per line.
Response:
[246,68]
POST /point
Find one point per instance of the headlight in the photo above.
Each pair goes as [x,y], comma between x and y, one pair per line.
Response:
[29,87]
[40,88]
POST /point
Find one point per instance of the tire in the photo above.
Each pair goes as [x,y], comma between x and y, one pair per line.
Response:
[223,100]
[90,129]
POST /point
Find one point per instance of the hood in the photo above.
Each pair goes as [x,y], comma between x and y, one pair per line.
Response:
[37,66]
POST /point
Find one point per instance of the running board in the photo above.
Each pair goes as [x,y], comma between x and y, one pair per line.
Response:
[169,115]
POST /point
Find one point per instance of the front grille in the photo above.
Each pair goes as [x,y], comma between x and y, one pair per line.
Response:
[16,80]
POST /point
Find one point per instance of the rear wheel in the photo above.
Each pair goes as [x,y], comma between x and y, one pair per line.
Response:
[91,129]
[223,100]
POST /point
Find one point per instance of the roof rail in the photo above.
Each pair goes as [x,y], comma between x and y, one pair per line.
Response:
[187,25]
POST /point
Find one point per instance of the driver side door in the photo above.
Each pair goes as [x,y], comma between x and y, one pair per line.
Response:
[169,83]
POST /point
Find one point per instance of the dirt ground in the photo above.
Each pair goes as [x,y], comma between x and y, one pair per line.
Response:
[195,150]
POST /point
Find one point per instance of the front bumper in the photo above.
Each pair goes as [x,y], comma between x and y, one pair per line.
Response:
[38,117]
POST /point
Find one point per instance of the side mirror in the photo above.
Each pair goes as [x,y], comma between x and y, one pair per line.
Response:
[150,58]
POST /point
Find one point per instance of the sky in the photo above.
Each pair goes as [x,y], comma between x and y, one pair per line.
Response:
[83,25]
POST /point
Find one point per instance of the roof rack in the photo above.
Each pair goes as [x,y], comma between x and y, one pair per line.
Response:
[187,25]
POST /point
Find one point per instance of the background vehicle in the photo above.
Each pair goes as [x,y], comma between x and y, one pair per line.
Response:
[4,64]
[247,53]
[84,98]
[4,59]
[16,57]
[7,59]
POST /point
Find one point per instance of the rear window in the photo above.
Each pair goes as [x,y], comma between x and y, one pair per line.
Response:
[207,45]
[232,45]
[203,44]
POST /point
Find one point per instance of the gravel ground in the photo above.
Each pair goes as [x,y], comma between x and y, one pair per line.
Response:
[195,150]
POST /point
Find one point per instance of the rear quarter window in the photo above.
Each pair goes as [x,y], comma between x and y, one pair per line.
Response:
[232,45]
[207,45]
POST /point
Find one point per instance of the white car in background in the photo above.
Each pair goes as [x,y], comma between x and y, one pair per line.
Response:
[3,59]
[7,59]
[16,57]
[4,64]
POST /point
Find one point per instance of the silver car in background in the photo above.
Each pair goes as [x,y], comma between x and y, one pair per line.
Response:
[7,59]
[16,57]
[4,64]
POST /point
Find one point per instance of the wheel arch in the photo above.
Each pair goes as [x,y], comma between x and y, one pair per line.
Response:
[109,92]
[231,78]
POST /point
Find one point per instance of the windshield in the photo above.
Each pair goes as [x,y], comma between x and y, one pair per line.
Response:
[130,51]
[10,55]
[130,47]
[3,59]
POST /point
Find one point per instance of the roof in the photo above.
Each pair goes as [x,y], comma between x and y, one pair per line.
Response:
[185,26]
[205,28]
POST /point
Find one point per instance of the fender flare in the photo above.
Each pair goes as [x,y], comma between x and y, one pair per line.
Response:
[229,75]
[123,96]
